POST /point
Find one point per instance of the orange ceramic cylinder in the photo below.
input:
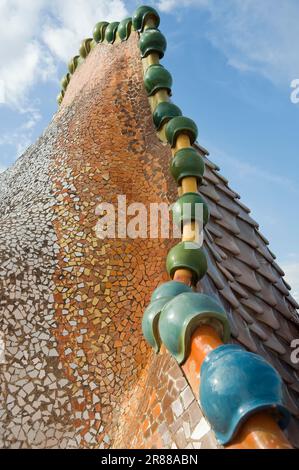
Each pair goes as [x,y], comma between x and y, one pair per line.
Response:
[260,431]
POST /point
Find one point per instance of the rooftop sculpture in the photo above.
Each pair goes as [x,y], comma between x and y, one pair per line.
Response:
[137,343]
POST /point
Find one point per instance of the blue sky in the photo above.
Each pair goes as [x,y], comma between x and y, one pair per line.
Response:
[232,61]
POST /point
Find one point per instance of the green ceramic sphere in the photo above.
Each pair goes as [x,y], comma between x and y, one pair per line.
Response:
[142,14]
[85,47]
[60,98]
[182,213]
[65,81]
[73,64]
[124,29]
[157,78]
[187,162]
[152,41]
[187,255]
[99,31]
[164,112]
[110,33]
[180,125]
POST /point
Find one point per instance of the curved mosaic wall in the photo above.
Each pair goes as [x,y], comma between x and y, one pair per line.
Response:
[76,370]
[76,360]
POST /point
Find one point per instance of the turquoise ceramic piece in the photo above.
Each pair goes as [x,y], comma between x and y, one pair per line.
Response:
[163,294]
[124,29]
[157,78]
[180,125]
[187,255]
[164,112]
[99,31]
[150,321]
[110,33]
[185,163]
[190,207]
[152,41]
[182,315]
[234,384]
[169,289]
[142,14]
[73,64]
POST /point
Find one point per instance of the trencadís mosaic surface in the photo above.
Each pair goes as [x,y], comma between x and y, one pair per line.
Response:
[76,370]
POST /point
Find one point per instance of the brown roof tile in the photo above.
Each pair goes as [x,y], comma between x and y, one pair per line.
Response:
[247,233]
[230,297]
[211,176]
[247,277]
[267,292]
[226,273]
[239,290]
[228,264]
[278,268]
[228,221]
[245,315]
[212,230]
[247,280]
[226,190]
[214,210]
[212,165]
[247,255]
[266,270]
[253,305]
[245,208]
[218,254]
[227,203]
[269,318]
[293,302]
[244,216]
[281,286]
[228,243]
[264,239]
[288,330]
[274,344]
[210,192]
[215,275]
[259,331]
[244,335]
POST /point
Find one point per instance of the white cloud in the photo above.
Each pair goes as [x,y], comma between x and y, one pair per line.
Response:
[34,36]
[21,137]
[170,5]
[23,59]
[254,35]
[35,33]
[19,74]
[75,21]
